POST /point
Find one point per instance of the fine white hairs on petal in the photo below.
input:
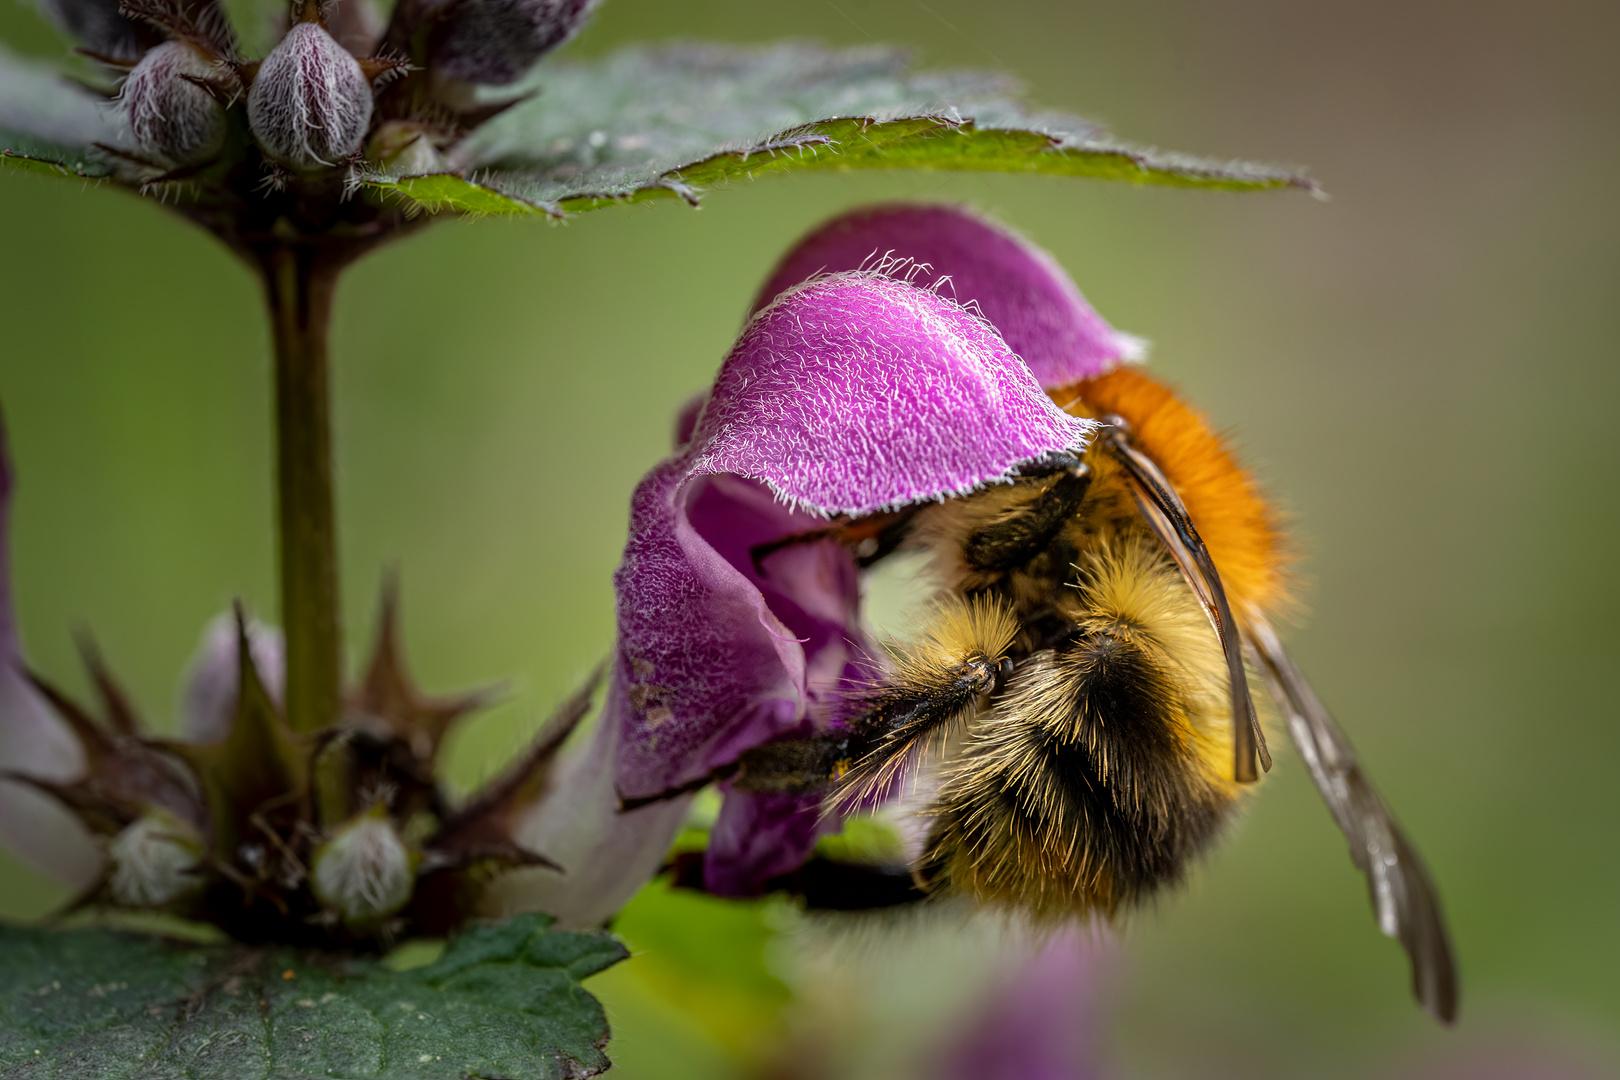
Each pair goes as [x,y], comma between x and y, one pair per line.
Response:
[310,104]
[170,116]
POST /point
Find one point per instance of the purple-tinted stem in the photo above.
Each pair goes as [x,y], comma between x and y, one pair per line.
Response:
[299,284]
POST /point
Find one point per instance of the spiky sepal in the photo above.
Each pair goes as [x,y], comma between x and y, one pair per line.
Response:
[340,837]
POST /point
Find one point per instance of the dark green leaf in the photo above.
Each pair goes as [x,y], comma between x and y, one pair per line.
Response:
[504,1000]
[668,121]
[47,123]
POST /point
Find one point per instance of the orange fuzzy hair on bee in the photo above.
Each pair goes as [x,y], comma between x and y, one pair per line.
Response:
[1237,524]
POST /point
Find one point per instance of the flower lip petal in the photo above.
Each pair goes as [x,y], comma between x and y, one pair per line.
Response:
[1017,287]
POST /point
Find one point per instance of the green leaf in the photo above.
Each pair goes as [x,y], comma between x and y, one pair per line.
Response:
[656,122]
[504,1000]
[48,124]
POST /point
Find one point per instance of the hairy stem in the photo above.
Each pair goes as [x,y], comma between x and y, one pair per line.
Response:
[299,286]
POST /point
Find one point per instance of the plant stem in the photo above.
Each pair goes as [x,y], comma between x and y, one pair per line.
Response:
[299,286]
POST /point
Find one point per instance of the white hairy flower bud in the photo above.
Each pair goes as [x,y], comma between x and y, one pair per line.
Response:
[152,861]
[364,871]
[171,117]
[310,104]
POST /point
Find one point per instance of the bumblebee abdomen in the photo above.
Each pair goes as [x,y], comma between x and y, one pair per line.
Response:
[1078,790]
[1102,769]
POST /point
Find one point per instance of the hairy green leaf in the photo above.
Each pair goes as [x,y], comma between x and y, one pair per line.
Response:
[504,1000]
[47,123]
[665,121]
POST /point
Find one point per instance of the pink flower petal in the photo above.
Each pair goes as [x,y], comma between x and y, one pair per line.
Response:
[1018,287]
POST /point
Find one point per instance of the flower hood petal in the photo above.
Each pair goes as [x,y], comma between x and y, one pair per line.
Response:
[1017,287]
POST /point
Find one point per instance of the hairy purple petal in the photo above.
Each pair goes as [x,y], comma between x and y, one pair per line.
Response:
[1020,289]
[310,103]
[858,393]
[849,394]
[208,703]
[496,42]
[34,742]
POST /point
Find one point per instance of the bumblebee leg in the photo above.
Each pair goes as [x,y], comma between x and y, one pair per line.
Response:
[936,682]
[1015,540]
[794,765]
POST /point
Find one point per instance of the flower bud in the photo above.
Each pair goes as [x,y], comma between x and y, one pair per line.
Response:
[152,861]
[171,117]
[310,104]
[364,871]
[496,42]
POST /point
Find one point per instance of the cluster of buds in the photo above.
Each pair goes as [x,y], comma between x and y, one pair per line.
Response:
[336,97]
[335,837]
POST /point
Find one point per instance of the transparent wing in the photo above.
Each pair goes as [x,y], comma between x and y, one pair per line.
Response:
[1403,894]
[1164,513]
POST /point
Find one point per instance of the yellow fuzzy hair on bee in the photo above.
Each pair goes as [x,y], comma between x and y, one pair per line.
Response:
[1106,764]
[1133,587]
[956,660]
[957,629]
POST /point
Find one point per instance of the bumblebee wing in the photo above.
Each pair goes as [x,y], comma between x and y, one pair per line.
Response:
[1164,513]
[1403,895]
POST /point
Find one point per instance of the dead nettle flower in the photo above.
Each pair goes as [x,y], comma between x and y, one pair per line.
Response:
[848,394]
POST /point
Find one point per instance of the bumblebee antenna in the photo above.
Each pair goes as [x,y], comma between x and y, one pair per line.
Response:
[1165,514]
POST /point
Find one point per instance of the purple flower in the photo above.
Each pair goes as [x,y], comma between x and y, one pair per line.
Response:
[847,393]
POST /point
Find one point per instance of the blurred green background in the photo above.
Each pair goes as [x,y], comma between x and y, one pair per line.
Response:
[1422,370]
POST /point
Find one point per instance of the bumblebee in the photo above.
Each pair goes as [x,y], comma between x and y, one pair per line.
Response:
[1090,735]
